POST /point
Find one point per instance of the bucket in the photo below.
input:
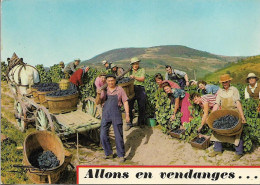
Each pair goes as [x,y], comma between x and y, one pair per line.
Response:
[151,122]
[64,84]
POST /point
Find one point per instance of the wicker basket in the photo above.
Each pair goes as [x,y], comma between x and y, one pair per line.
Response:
[35,95]
[225,132]
[42,99]
[129,88]
[62,104]
[64,84]
[203,145]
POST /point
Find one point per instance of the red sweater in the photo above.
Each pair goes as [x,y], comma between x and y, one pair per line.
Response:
[76,78]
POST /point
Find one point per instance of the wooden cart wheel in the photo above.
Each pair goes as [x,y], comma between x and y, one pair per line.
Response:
[20,115]
[43,120]
[91,108]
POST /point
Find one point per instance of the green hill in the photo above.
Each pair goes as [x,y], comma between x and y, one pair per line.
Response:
[238,71]
[194,62]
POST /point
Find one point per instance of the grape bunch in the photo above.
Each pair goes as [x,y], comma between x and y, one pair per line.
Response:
[225,122]
[124,80]
[44,159]
[178,131]
[62,93]
[44,85]
[49,87]
[200,140]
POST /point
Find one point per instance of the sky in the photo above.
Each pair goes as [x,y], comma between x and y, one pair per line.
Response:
[49,31]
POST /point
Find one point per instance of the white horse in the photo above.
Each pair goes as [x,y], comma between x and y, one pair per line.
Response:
[22,77]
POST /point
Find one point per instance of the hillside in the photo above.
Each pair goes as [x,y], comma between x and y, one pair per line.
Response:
[238,71]
[155,58]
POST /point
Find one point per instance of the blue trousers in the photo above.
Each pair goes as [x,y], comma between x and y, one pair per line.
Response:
[104,135]
[239,148]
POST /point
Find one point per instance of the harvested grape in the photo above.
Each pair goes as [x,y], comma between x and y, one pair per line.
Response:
[225,122]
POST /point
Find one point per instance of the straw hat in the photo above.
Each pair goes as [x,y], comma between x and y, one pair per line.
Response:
[77,60]
[251,75]
[61,63]
[134,60]
[225,78]
[113,65]
[104,62]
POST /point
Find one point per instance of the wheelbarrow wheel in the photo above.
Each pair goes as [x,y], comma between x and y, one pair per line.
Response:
[20,115]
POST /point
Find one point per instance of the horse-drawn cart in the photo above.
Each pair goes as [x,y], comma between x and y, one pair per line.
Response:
[84,118]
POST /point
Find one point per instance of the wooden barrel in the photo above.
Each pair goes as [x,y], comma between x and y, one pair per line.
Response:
[35,95]
[62,104]
[129,88]
[44,140]
[42,98]
[226,132]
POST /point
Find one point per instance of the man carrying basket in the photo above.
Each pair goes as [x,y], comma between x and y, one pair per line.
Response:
[228,98]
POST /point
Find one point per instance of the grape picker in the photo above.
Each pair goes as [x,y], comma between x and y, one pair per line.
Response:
[159,80]
[253,88]
[117,71]
[106,64]
[180,100]
[206,102]
[114,97]
[176,75]
[138,74]
[207,88]
[228,98]
[71,68]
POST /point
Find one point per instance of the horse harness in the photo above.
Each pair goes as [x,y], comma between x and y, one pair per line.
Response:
[23,65]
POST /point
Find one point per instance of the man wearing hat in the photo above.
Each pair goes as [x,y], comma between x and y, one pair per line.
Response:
[228,98]
[253,88]
[71,67]
[117,71]
[177,76]
[106,64]
[114,97]
[138,74]
[62,66]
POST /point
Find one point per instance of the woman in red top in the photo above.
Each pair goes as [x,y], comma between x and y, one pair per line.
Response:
[77,77]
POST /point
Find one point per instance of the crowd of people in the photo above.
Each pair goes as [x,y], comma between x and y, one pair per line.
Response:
[210,99]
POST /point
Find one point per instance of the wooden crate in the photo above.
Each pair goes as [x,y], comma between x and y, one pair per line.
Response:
[203,145]
[62,104]
[176,135]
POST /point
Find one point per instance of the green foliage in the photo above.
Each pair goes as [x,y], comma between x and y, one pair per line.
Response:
[44,76]
[3,71]
[10,155]
[150,89]
[56,73]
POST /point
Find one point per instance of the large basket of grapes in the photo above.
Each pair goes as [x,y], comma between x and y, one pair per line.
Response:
[128,85]
[62,101]
[45,89]
[45,152]
[64,84]
[225,122]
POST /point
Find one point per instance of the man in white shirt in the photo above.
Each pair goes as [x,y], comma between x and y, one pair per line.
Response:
[253,88]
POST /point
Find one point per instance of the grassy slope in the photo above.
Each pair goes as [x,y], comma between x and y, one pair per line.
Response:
[238,71]
[154,59]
